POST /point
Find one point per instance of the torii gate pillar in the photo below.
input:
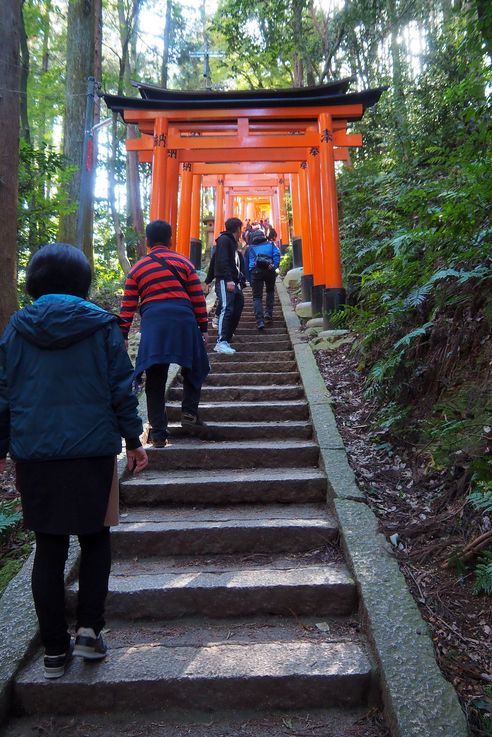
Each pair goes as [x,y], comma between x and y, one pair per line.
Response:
[334,294]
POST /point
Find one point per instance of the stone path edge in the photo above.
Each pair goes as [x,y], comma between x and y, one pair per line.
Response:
[417,699]
[19,625]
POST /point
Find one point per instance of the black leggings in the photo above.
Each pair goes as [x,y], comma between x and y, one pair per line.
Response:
[48,585]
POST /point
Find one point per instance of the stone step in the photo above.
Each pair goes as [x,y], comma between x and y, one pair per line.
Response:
[226,675]
[242,393]
[203,455]
[260,411]
[164,588]
[248,356]
[242,486]
[259,336]
[253,330]
[262,378]
[269,345]
[186,722]
[235,430]
[238,529]
[268,365]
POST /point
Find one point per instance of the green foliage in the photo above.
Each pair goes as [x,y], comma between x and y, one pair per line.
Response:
[43,175]
[286,261]
[9,569]
[9,516]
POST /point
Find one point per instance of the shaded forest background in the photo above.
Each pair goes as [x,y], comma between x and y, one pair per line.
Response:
[414,210]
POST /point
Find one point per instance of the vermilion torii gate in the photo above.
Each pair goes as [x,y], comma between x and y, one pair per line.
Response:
[294,136]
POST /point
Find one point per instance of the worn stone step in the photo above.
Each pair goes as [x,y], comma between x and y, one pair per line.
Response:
[259,411]
[238,486]
[251,529]
[271,366]
[270,345]
[258,336]
[245,329]
[235,430]
[270,675]
[204,455]
[186,722]
[263,378]
[250,355]
[242,393]
[152,589]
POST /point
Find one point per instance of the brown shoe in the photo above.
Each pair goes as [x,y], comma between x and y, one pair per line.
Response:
[195,426]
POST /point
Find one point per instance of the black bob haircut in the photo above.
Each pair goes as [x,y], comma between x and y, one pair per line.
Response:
[58,268]
[158,232]
[232,224]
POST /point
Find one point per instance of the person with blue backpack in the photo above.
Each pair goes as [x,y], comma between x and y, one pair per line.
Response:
[264,259]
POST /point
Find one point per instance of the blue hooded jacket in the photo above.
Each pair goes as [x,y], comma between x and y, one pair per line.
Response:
[65,383]
[265,248]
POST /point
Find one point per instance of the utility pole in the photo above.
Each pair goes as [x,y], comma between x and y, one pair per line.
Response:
[206,53]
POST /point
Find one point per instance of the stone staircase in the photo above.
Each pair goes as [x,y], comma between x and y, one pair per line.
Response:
[228,589]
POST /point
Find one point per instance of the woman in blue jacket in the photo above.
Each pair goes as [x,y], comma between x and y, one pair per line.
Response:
[65,403]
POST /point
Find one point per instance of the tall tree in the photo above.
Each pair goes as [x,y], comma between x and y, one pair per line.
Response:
[81,27]
[167,43]
[9,146]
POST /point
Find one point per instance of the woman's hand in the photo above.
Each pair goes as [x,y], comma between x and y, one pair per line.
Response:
[136,460]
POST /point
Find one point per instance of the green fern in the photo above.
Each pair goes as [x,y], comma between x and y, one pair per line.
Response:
[416,333]
[483,574]
[9,516]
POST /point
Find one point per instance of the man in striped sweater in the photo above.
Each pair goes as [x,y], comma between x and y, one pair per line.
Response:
[173,329]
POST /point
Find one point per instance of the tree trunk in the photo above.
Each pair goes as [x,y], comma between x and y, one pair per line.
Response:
[165,53]
[24,76]
[134,197]
[80,66]
[10,21]
[297,7]
[398,84]
[484,12]
[118,229]
[45,26]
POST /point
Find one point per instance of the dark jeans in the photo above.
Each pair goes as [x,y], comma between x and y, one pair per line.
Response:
[48,585]
[155,390]
[232,307]
[260,278]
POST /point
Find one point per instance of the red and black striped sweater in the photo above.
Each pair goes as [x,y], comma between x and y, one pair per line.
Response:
[147,280]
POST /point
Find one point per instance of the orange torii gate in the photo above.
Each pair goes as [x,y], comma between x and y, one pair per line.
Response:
[295,134]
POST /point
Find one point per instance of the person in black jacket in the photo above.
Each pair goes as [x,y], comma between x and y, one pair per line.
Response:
[229,281]
[66,401]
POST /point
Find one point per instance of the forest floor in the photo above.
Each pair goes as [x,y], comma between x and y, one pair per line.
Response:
[424,508]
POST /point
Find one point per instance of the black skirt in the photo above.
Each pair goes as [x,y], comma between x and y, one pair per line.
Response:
[65,497]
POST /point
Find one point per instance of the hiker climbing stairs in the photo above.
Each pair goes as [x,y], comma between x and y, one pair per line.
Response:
[228,588]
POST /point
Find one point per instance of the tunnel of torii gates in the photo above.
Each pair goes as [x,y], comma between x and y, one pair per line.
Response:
[252,146]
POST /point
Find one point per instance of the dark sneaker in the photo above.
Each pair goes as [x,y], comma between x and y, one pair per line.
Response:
[159,443]
[260,325]
[55,665]
[88,645]
[195,426]
[268,319]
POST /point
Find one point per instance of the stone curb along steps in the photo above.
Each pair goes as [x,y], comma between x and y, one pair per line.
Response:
[417,699]
[228,588]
